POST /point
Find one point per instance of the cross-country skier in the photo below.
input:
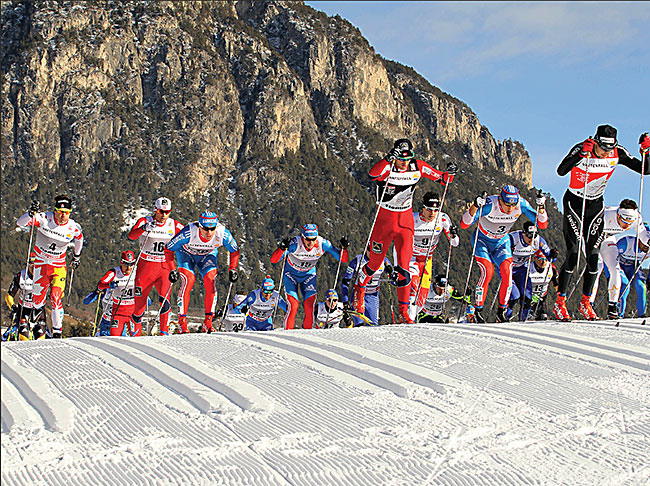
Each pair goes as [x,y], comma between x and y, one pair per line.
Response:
[496,215]
[120,284]
[616,220]
[331,313]
[235,320]
[428,225]
[433,310]
[541,273]
[54,231]
[394,222]
[261,304]
[371,299]
[302,253]
[196,247]
[631,252]
[19,301]
[155,262]
[591,163]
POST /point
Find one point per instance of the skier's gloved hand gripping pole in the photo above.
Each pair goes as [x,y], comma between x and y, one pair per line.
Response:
[479,202]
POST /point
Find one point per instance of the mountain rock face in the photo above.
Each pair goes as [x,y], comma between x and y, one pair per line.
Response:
[239,106]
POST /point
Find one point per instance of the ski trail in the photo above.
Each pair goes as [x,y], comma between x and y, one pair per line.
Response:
[200,398]
[55,410]
[243,396]
[618,357]
[15,410]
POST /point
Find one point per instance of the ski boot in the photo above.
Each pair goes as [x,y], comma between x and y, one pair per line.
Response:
[38,332]
[612,310]
[207,324]
[560,310]
[502,314]
[478,316]
[359,300]
[182,325]
[586,310]
[24,333]
[404,317]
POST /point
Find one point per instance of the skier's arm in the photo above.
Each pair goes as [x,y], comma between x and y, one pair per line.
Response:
[434,174]
[544,247]
[381,170]
[26,220]
[231,245]
[473,214]
[571,160]
[335,252]
[13,290]
[78,242]
[180,239]
[138,228]
[541,217]
[105,281]
[624,158]
[250,298]
[282,304]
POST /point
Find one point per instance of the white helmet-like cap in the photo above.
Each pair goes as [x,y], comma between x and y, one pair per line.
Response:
[163,203]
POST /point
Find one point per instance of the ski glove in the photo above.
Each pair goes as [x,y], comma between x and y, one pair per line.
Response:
[479,201]
[284,244]
[453,231]
[540,198]
[344,243]
[552,255]
[174,276]
[232,275]
[587,148]
[393,154]
[644,141]
[34,208]
[452,168]
[112,285]
[151,225]
[76,260]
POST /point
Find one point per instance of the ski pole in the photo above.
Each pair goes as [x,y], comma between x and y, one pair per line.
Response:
[461,309]
[70,285]
[96,315]
[29,247]
[336,278]
[638,227]
[225,308]
[582,217]
[275,307]
[521,306]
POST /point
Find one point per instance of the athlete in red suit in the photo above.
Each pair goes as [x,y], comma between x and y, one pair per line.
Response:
[395,219]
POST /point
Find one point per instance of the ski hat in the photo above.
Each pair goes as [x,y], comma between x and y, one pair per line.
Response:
[268,285]
[63,202]
[441,281]
[539,254]
[310,231]
[530,229]
[431,201]
[509,195]
[405,147]
[163,204]
[628,215]
[331,294]
[128,257]
[606,137]
[208,219]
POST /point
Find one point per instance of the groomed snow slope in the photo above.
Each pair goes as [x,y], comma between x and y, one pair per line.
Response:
[533,404]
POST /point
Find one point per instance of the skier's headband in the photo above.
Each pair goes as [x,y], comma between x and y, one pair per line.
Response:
[627,215]
[431,205]
[606,143]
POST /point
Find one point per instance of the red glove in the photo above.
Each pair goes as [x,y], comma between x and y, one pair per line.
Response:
[644,140]
[587,148]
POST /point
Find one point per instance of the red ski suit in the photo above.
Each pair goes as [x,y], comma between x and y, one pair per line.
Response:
[395,219]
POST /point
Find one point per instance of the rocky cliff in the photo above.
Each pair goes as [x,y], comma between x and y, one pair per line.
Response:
[239,106]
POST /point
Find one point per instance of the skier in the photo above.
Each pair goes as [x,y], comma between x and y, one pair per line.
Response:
[428,225]
[616,220]
[155,262]
[261,303]
[22,310]
[541,273]
[196,247]
[371,299]
[54,231]
[632,251]
[496,215]
[591,164]
[394,221]
[120,286]
[235,321]
[302,254]
[525,243]
[433,310]
[331,312]
[630,256]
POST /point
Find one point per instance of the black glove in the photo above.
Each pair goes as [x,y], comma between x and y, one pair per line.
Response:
[393,154]
[284,244]
[174,276]
[219,314]
[452,168]
[34,208]
[344,243]
[540,198]
[393,274]
[232,275]
[479,201]
[347,306]
[552,255]
[14,309]
[453,231]
[76,260]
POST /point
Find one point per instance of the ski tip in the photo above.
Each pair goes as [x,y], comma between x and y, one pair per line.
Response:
[643,322]
[617,323]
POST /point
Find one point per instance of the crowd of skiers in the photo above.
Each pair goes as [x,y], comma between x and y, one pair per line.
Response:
[170,252]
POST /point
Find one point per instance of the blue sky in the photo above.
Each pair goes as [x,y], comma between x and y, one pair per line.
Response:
[543,73]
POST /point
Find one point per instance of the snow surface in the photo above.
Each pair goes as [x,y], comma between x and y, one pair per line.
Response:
[517,404]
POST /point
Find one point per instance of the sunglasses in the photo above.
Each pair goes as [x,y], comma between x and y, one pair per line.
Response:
[507,204]
[164,211]
[129,264]
[311,239]
[63,210]
[205,228]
